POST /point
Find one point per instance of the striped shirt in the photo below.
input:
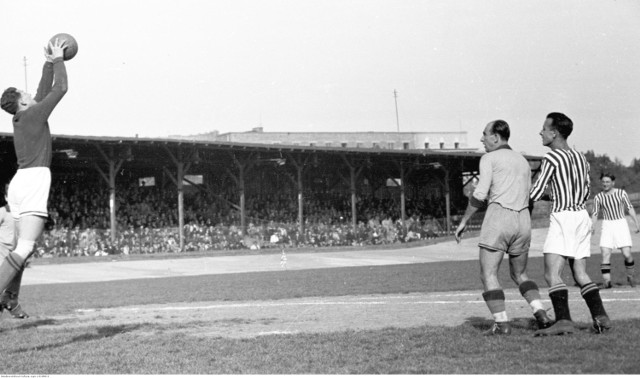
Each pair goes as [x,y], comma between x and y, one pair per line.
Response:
[611,204]
[567,172]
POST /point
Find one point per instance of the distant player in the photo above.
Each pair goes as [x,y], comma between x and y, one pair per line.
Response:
[569,237]
[29,188]
[615,229]
[505,180]
[9,298]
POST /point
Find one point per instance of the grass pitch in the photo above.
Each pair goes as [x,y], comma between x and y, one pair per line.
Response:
[40,345]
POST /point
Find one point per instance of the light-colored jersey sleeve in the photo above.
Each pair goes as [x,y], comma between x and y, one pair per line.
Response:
[481,193]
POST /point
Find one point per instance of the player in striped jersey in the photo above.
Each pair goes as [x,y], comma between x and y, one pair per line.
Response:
[566,172]
[615,230]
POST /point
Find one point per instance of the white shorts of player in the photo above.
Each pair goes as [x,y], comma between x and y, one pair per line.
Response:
[29,192]
[569,234]
[615,234]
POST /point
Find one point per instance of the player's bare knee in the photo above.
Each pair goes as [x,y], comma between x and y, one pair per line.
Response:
[581,277]
[552,279]
[519,277]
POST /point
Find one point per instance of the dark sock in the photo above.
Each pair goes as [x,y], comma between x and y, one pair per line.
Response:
[14,285]
[605,269]
[591,295]
[630,268]
[559,296]
[10,266]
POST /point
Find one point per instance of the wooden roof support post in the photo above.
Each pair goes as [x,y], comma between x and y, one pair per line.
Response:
[447,195]
[114,167]
[404,172]
[178,180]
[403,203]
[447,198]
[239,181]
[353,176]
[299,165]
[243,166]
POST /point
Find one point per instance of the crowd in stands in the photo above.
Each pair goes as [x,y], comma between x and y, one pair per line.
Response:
[147,221]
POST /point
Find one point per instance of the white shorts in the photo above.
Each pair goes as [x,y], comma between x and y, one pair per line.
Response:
[4,251]
[29,192]
[569,234]
[615,234]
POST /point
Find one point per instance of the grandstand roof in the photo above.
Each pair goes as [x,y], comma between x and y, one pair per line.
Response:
[106,140]
[86,151]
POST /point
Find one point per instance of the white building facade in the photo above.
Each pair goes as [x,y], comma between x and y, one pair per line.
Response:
[444,140]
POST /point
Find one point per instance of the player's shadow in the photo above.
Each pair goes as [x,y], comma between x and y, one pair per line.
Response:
[526,324]
[101,333]
[483,324]
[38,323]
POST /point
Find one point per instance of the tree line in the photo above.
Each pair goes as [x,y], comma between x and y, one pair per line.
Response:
[627,177]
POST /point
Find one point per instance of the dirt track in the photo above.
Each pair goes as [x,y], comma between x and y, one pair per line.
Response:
[311,315]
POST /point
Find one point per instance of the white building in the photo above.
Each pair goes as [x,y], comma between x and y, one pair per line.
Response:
[443,140]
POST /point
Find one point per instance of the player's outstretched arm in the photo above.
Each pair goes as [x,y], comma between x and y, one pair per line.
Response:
[45,81]
[47,71]
[60,86]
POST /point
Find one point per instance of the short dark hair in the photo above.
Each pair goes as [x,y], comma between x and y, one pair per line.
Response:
[501,128]
[9,101]
[561,123]
[609,175]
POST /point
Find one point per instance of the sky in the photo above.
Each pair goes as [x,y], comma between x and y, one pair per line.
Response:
[155,68]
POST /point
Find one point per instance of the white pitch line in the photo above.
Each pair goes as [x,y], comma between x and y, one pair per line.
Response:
[330,303]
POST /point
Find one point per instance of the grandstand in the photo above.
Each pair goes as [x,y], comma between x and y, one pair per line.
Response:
[187,193]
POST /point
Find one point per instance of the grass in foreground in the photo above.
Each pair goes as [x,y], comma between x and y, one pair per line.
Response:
[28,348]
[421,350]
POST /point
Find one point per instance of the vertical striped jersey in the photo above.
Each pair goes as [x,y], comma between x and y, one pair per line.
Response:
[567,172]
[612,204]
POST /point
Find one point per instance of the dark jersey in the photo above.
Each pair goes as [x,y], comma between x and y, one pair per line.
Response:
[31,135]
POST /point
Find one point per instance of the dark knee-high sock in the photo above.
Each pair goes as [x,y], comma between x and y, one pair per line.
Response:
[9,268]
[14,285]
[559,295]
[605,269]
[630,268]
[591,295]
